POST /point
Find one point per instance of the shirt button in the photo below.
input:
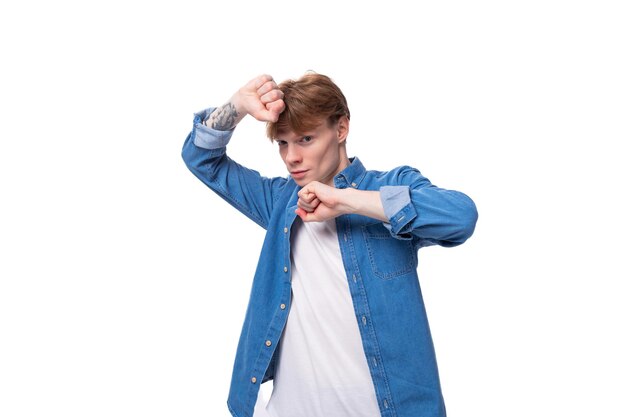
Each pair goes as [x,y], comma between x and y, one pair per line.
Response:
[282,306]
[285,269]
[268,343]
[285,230]
[253,380]
[354,184]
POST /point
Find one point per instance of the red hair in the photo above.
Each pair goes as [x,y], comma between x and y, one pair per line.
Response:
[308,102]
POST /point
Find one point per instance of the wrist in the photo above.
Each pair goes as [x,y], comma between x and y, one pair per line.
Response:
[238,103]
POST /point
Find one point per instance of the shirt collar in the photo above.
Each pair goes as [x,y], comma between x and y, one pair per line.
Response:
[351,175]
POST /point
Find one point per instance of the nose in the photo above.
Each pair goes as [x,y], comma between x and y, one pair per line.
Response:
[293,155]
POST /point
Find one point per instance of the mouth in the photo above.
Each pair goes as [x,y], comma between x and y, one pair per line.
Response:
[298,174]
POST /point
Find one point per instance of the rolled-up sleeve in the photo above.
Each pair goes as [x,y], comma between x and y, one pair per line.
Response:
[396,200]
[417,209]
[206,137]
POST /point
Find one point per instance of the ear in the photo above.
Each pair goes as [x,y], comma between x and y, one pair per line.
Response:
[343,128]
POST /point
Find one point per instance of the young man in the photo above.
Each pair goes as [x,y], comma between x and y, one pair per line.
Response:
[336,316]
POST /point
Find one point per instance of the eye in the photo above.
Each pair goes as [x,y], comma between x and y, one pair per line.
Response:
[307,139]
[281,142]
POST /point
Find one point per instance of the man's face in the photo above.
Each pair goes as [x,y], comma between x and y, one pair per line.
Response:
[317,155]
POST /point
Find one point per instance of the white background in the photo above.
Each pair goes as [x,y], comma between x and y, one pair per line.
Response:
[124,280]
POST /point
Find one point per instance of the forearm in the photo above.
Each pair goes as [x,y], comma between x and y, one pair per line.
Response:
[447,217]
[365,203]
[319,202]
[227,116]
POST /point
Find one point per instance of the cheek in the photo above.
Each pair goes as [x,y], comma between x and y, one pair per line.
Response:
[321,158]
[330,155]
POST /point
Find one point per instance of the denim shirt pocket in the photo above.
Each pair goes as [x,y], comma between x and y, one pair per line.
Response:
[389,257]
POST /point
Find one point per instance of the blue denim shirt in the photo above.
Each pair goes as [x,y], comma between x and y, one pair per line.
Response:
[380,260]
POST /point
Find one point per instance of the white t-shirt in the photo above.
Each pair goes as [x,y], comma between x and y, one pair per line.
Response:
[322,370]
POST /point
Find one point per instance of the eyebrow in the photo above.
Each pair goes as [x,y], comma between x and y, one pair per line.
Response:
[299,136]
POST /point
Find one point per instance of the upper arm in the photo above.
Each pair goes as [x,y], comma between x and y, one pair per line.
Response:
[244,188]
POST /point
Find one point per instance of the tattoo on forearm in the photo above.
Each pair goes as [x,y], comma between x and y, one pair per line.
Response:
[224,118]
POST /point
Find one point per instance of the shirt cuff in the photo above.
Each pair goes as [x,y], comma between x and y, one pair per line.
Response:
[206,137]
[399,210]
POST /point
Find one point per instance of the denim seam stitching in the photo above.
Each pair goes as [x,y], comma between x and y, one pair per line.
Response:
[374,343]
[380,274]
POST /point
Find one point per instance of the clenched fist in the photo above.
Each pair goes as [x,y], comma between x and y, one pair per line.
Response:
[260,98]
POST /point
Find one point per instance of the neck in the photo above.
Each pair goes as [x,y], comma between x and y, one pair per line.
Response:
[344,162]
